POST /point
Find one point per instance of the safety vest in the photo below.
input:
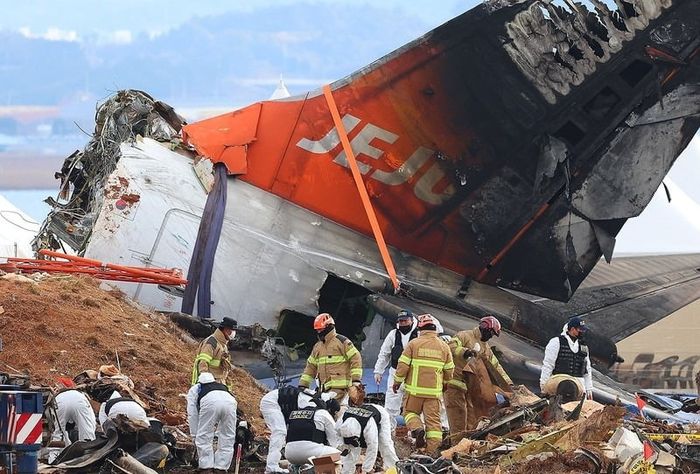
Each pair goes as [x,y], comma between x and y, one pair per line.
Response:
[335,361]
[206,388]
[302,427]
[425,363]
[363,414]
[397,350]
[570,362]
[213,355]
[464,341]
[111,402]
[288,400]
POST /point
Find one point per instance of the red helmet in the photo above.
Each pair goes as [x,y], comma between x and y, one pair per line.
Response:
[322,321]
[425,320]
[490,322]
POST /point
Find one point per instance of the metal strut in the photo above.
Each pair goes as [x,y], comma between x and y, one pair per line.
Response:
[357,176]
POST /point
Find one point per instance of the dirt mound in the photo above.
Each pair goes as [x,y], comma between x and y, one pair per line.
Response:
[62,326]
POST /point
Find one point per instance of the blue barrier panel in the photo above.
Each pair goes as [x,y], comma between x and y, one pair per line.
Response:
[28,402]
[27,457]
[20,428]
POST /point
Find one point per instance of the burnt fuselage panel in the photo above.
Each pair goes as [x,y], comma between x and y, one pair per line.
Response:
[508,145]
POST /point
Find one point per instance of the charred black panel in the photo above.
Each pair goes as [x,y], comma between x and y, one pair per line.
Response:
[584,92]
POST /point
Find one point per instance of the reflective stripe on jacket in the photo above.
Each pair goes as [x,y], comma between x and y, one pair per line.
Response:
[213,356]
[465,341]
[335,361]
[425,366]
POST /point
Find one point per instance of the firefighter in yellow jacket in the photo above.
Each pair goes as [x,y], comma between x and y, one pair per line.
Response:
[213,355]
[466,347]
[334,360]
[424,367]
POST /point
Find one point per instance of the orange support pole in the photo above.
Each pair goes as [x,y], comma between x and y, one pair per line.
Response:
[165,279]
[357,176]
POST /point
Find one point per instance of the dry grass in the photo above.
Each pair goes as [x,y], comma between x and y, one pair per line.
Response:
[64,325]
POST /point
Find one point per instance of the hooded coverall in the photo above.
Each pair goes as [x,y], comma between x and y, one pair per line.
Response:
[551,353]
[213,356]
[337,364]
[299,451]
[457,396]
[375,438]
[127,407]
[424,367]
[73,406]
[273,416]
[213,411]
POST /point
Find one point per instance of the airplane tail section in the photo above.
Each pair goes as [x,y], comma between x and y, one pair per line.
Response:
[509,157]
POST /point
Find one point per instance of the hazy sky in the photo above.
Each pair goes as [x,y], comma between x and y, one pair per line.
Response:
[663,227]
[100,16]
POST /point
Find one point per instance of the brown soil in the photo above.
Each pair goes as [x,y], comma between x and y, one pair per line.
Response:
[560,463]
[557,464]
[65,325]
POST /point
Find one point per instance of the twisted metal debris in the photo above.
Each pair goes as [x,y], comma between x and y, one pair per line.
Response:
[120,119]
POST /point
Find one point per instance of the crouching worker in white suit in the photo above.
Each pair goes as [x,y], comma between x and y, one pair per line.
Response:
[118,405]
[367,426]
[311,433]
[211,408]
[72,406]
[276,406]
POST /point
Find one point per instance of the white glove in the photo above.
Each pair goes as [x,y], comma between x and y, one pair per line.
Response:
[477,347]
[378,378]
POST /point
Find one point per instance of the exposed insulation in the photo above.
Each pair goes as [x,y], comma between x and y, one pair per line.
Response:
[557,47]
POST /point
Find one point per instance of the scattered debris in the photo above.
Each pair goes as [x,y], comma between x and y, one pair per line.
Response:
[602,439]
[69,335]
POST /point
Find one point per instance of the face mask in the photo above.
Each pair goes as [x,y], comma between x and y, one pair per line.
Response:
[486,334]
[323,333]
[404,329]
[232,335]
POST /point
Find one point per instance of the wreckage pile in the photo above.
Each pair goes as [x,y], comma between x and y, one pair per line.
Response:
[577,437]
[60,326]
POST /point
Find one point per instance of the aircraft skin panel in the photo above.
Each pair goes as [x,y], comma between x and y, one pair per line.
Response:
[472,139]
[664,355]
[624,269]
[269,246]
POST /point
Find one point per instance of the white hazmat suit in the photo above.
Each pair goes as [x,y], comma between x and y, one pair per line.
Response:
[272,414]
[214,412]
[129,408]
[377,438]
[72,406]
[299,452]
